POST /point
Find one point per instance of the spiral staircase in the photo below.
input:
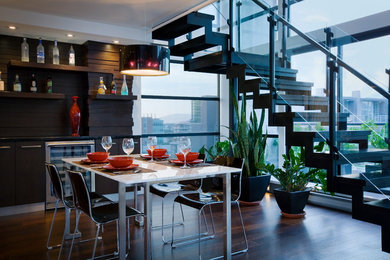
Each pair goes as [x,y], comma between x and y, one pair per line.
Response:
[259,80]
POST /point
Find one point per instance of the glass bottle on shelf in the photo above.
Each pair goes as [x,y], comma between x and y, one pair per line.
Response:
[124,89]
[33,87]
[17,84]
[101,88]
[40,52]
[1,83]
[72,56]
[25,51]
[56,54]
[113,87]
[49,85]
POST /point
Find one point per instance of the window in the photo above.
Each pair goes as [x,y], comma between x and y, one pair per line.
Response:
[180,104]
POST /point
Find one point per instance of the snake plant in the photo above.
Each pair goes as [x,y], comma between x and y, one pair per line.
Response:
[248,140]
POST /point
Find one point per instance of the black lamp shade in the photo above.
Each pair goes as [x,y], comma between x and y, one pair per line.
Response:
[145,60]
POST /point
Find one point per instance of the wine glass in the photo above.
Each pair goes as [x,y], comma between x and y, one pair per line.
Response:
[128,145]
[106,143]
[152,144]
[185,148]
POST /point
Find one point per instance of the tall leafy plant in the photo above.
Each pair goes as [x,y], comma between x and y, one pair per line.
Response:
[248,140]
[293,176]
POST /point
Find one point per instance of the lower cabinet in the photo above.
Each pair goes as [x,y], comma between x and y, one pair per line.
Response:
[7,174]
[29,172]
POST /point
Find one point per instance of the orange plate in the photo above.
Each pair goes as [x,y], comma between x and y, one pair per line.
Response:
[110,167]
[147,156]
[88,161]
[192,162]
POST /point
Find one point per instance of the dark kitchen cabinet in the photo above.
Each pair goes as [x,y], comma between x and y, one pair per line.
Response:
[7,175]
[29,172]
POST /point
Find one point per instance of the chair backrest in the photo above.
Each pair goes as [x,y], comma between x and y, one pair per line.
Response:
[216,182]
[55,180]
[81,197]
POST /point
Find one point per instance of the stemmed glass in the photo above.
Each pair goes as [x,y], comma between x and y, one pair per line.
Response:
[128,145]
[106,143]
[152,144]
[185,148]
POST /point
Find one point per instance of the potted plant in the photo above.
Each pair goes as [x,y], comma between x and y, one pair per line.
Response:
[220,148]
[293,194]
[249,142]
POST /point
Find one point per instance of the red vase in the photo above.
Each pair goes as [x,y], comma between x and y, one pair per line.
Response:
[75,115]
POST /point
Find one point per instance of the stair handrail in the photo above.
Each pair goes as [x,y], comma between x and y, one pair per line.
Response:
[323,49]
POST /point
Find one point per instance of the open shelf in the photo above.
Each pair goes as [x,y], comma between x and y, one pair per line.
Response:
[112,97]
[30,95]
[63,67]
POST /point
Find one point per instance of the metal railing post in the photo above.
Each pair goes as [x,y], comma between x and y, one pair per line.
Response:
[239,4]
[388,114]
[272,24]
[332,69]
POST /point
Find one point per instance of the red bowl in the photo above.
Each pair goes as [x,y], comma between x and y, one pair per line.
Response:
[191,156]
[120,162]
[97,156]
[157,152]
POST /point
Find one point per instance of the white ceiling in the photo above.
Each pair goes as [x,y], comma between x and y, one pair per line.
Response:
[129,21]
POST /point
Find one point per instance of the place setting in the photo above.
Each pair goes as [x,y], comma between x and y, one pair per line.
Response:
[113,165]
[154,153]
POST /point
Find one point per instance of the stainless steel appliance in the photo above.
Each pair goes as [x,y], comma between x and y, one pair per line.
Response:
[55,151]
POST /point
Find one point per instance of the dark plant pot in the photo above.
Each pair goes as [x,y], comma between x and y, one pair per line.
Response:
[253,188]
[291,202]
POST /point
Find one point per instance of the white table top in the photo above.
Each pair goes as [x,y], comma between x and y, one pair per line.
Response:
[163,173]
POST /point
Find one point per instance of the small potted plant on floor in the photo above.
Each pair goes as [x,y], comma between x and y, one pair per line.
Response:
[249,142]
[293,194]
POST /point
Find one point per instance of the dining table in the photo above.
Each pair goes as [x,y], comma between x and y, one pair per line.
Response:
[148,173]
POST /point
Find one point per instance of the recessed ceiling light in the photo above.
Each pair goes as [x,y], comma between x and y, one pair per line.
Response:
[70,35]
[115,41]
[12,27]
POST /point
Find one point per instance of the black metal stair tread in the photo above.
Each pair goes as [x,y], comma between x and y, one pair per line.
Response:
[202,42]
[183,25]
[285,84]
[341,135]
[216,63]
[383,203]
[298,100]
[351,179]
[310,116]
[363,155]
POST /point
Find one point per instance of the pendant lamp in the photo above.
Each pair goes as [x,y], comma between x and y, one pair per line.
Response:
[145,60]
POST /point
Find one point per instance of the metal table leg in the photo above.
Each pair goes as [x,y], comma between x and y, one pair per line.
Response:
[147,222]
[122,220]
[138,221]
[227,205]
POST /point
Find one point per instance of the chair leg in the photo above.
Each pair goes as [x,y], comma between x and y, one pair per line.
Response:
[128,234]
[243,229]
[95,244]
[71,245]
[173,221]
[51,227]
[212,220]
[199,234]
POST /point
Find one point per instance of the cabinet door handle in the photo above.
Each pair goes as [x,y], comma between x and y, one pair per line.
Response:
[5,147]
[31,146]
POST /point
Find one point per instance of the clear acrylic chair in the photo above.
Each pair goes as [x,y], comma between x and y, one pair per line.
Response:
[212,193]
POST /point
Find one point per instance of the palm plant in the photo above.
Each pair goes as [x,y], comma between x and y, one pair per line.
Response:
[248,140]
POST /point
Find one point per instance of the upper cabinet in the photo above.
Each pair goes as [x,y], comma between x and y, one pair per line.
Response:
[47,114]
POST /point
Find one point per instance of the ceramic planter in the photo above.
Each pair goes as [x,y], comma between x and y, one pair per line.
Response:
[291,202]
[253,188]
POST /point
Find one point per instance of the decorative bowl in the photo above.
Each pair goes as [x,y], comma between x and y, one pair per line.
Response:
[97,156]
[157,152]
[190,156]
[120,162]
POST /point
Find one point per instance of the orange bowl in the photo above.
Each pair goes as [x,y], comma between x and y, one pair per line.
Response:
[157,152]
[97,156]
[120,162]
[190,156]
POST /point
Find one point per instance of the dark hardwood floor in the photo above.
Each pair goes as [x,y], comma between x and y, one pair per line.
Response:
[323,234]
